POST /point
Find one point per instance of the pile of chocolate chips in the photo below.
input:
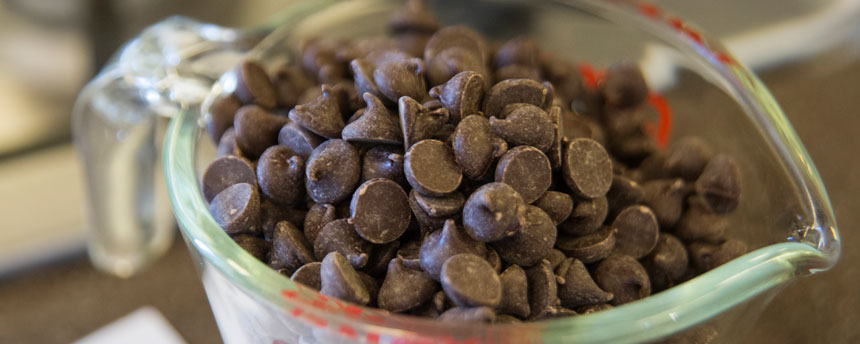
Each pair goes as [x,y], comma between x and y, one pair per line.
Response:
[438,174]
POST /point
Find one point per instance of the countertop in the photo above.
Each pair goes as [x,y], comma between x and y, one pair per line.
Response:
[63,301]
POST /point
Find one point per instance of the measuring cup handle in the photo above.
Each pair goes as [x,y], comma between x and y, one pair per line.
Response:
[118,124]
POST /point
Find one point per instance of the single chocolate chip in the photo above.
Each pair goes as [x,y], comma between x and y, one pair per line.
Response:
[555,149]
[468,315]
[720,184]
[319,59]
[515,71]
[414,17]
[634,148]
[309,275]
[525,125]
[445,243]
[221,115]
[555,258]
[543,290]
[595,308]
[700,223]
[321,116]
[666,198]
[461,95]
[587,216]
[376,126]
[431,168]
[271,213]
[623,193]
[362,74]
[426,222]
[289,85]
[280,174]
[514,292]
[227,144]
[317,217]
[521,50]
[452,61]
[290,249]
[417,122]
[587,168]
[558,205]
[236,209]
[378,57]
[470,281]
[257,247]
[384,162]
[623,85]
[476,146]
[578,288]
[667,263]
[687,158]
[445,206]
[441,303]
[340,236]
[332,171]
[638,231]
[624,277]
[706,256]
[224,172]
[532,243]
[455,36]
[401,78]
[372,285]
[589,248]
[527,170]
[506,319]
[405,288]
[380,210]
[377,263]
[493,212]
[253,85]
[256,129]
[513,91]
[339,279]
[299,139]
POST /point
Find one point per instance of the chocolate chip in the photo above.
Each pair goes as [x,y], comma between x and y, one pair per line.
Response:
[401,78]
[720,184]
[253,85]
[452,61]
[700,223]
[666,198]
[555,258]
[667,263]
[525,125]
[372,285]
[624,277]
[513,91]
[426,223]
[493,258]
[221,115]
[470,281]
[377,263]
[555,149]
[527,170]
[224,172]
[476,146]
[339,279]
[578,289]
[461,95]
[405,288]
[493,212]
[431,168]
[706,256]
[554,313]
[257,247]
[558,205]
[256,129]
[332,171]
[321,116]
[587,168]
[413,17]
[289,85]
[340,236]
[532,243]
[468,315]
[623,85]
[236,209]
[290,249]
[384,162]
[687,157]
[514,292]
[595,308]
[280,174]
[543,290]
[587,216]
[300,140]
[417,122]
[652,167]
[588,248]
[380,210]
[445,243]
[445,206]
[227,145]
[320,60]
[624,192]
[317,217]
[522,50]
[271,213]
[309,275]
[409,250]
[637,231]
[376,126]
[348,99]
[506,319]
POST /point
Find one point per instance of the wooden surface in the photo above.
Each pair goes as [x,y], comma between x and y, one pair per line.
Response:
[64,301]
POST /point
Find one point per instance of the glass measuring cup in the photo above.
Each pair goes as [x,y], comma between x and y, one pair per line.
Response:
[785,209]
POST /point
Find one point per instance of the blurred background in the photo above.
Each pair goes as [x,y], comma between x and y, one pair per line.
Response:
[805,51]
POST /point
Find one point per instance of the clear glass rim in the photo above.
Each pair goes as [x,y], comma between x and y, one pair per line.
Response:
[816,249]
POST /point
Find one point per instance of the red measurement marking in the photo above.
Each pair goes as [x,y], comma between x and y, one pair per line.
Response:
[676,23]
[278,341]
[372,338]
[724,58]
[296,312]
[289,294]
[315,320]
[590,77]
[347,331]
[649,10]
[693,35]
[664,123]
